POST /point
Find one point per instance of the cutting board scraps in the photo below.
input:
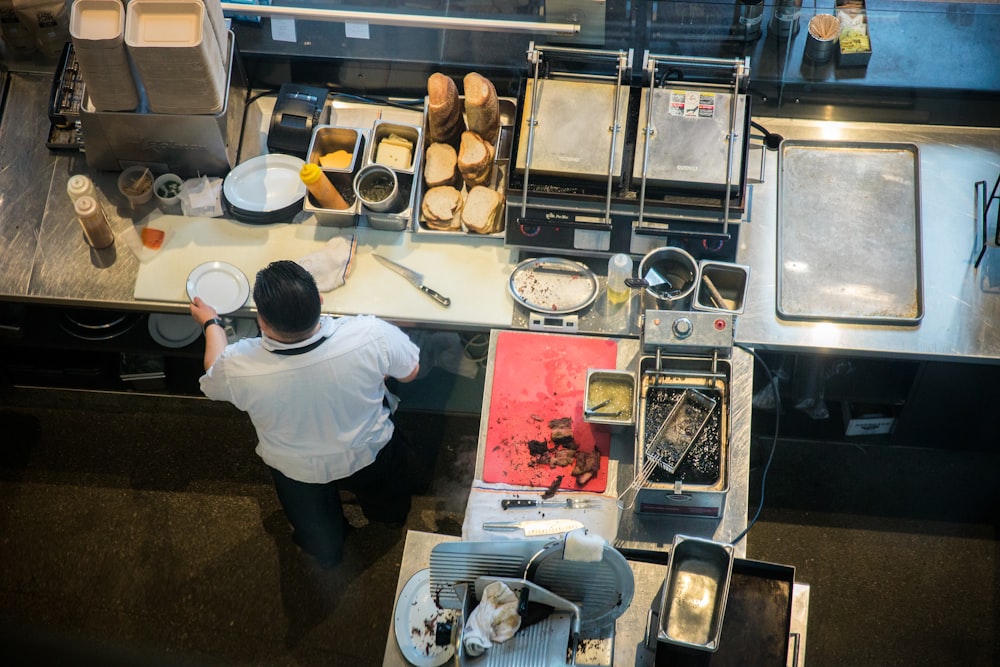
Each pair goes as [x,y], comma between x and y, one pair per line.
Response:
[539,377]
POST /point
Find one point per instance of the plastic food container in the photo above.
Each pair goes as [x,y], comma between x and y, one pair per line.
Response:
[695,592]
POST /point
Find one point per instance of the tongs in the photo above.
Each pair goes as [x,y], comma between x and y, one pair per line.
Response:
[593,411]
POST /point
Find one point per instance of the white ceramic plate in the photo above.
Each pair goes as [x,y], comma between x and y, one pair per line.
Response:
[416,619]
[265,183]
[220,285]
[173,330]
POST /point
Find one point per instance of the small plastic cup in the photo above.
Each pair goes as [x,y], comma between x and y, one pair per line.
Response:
[167,189]
[136,184]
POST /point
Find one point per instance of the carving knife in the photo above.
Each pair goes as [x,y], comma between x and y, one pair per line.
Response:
[521,503]
[415,278]
[532,528]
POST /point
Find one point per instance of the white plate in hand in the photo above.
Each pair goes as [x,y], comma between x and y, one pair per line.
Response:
[265,183]
[220,285]
[416,619]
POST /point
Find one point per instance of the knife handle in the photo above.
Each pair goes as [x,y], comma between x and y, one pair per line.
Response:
[508,503]
[495,525]
[443,300]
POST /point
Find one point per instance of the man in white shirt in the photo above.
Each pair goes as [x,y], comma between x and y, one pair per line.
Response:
[314,387]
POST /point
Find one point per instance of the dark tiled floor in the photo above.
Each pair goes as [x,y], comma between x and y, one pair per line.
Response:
[137,530]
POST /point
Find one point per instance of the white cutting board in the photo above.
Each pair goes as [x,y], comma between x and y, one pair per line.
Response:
[472,272]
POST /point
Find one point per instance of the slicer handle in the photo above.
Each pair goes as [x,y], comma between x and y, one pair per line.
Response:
[443,300]
[508,503]
[499,525]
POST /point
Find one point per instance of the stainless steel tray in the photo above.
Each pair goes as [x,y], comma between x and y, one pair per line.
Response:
[849,246]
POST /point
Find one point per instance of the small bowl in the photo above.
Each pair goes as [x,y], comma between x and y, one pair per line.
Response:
[167,189]
[132,185]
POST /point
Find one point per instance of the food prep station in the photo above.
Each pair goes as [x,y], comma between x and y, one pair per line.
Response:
[628,202]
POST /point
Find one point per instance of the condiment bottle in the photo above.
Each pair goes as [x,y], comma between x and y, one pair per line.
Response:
[619,268]
[321,188]
[95,225]
[79,186]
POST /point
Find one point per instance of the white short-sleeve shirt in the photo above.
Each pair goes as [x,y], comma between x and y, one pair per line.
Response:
[319,414]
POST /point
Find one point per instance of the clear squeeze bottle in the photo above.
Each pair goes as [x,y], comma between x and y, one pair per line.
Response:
[320,187]
[619,268]
[95,225]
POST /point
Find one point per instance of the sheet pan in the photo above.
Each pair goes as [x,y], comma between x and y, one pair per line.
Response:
[849,246]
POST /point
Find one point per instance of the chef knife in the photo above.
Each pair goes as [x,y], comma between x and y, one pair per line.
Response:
[532,528]
[518,503]
[414,277]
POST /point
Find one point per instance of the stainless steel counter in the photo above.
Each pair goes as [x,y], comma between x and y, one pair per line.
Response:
[962,304]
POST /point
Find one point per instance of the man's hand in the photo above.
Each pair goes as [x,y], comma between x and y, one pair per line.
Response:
[202,312]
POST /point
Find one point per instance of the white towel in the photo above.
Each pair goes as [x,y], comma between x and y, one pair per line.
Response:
[600,517]
[331,264]
[493,621]
[584,546]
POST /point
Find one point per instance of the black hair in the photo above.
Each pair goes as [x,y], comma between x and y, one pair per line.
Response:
[287,298]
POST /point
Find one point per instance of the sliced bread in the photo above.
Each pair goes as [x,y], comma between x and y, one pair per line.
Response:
[475,159]
[440,165]
[440,207]
[479,213]
[482,107]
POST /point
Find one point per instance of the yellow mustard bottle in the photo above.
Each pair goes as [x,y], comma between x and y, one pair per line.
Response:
[321,188]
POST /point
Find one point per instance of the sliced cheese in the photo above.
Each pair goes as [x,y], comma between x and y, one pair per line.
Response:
[393,155]
[336,160]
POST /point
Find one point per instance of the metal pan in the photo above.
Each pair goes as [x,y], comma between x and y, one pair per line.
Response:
[553,286]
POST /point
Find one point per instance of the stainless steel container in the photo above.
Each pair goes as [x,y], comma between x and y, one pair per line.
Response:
[730,282]
[609,398]
[398,216]
[672,274]
[695,591]
[328,139]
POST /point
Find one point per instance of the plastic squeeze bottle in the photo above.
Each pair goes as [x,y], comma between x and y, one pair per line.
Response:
[95,225]
[619,268]
[80,185]
[321,188]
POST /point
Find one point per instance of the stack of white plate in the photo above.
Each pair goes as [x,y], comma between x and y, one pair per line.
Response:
[175,49]
[97,28]
[265,189]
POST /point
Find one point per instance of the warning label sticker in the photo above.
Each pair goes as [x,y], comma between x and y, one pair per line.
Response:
[692,104]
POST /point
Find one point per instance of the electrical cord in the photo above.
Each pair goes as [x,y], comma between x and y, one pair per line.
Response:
[774,443]
[771,140]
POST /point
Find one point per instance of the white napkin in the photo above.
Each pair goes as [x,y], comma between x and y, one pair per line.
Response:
[331,264]
[494,621]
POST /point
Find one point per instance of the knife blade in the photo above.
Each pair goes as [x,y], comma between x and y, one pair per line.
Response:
[532,528]
[516,503]
[415,279]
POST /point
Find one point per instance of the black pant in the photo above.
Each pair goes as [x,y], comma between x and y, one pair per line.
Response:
[383,489]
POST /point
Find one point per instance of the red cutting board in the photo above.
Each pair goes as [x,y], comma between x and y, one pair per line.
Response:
[538,377]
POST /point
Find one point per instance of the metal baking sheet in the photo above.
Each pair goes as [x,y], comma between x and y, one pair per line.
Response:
[849,245]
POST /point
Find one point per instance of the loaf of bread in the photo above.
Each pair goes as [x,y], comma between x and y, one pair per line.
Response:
[475,159]
[445,122]
[482,108]
[441,165]
[440,208]
[479,213]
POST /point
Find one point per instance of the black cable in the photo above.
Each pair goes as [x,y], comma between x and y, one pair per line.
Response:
[774,442]
[771,140]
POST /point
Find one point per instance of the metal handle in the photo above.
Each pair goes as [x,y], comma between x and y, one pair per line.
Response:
[443,300]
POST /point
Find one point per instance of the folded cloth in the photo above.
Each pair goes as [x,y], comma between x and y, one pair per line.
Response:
[493,621]
[331,264]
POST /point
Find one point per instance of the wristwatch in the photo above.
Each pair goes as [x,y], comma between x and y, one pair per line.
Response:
[214,320]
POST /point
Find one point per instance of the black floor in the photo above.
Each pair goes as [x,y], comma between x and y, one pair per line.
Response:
[140,530]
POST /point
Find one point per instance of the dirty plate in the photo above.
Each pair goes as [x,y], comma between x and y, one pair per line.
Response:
[553,285]
[416,618]
[220,285]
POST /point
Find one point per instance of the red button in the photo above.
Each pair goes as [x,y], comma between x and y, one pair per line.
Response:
[720,324]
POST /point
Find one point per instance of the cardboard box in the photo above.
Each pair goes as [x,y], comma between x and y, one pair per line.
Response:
[868,419]
[855,48]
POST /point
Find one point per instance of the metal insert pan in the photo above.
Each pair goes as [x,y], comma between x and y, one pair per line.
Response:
[849,245]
